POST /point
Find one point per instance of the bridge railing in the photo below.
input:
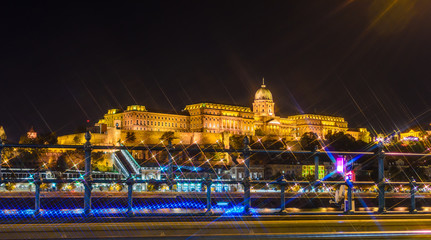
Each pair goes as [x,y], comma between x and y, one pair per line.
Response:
[246,151]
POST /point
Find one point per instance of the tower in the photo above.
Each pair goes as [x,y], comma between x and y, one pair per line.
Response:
[263,104]
[32,134]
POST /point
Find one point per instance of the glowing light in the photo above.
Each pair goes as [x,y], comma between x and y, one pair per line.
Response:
[340,164]
[118,210]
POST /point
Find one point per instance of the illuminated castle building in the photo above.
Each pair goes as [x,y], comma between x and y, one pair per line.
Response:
[2,133]
[32,134]
[210,123]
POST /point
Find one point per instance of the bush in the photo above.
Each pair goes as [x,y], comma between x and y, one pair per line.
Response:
[10,186]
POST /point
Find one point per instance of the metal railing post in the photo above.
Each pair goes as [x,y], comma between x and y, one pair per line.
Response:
[381,180]
[412,195]
[349,207]
[316,164]
[1,161]
[282,181]
[170,165]
[37,183]
[208,183]
[87,177]
[130,182]
[246,181]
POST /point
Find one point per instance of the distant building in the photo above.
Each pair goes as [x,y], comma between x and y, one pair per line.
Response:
[308,170]
[256,172]
[412,135]
[2,133]
[360,134]
[32,134]
[212,123]
[276,170]
[293,170]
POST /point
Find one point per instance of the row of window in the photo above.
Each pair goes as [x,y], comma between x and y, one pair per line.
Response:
[156,117]
[151,123]
[320,118]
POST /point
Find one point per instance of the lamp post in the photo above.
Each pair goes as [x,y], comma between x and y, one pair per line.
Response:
[170,165]
[381,180]
[413,190]
[87,177]
[282,182]
[130,181]
[208,182]
[316,164]
[37,183]
[246,180]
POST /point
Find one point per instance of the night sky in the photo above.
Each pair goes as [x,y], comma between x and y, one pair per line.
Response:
[367,61]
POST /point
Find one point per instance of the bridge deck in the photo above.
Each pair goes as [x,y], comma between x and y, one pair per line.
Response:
[214,227]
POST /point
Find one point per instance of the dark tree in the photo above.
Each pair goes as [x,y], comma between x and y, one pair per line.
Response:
[47,138]
[43,138]
[76,139]
[409,147]
[236,141]
[168,136]
[309,141]
[60,165]
[340,142]
[259,132]
[270,144]
[130,137]
[26,159]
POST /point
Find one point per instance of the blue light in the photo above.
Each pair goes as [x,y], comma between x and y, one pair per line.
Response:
[224,204]
[114,210]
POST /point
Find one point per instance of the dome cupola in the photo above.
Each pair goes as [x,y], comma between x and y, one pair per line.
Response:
[263,93]
[263,104]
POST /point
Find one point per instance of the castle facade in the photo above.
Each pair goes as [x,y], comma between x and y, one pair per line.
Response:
[208,123]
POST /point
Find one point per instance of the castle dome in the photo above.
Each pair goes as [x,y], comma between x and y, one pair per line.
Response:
[263,93]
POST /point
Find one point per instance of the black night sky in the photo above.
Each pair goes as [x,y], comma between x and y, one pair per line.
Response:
[63,63]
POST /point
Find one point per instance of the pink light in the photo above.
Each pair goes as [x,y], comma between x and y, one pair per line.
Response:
[340,164]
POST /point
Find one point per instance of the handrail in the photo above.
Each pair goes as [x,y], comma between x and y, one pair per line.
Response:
[118,162]
[175,149]
[246,152]
[131,159]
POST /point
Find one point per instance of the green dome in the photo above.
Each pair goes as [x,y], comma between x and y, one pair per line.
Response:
[263,93]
